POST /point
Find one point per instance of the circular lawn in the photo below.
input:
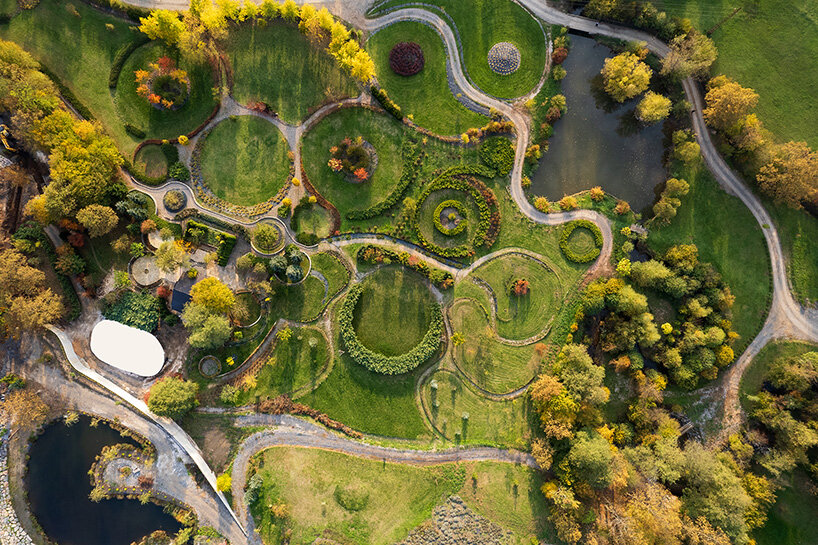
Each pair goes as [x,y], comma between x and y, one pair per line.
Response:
[394,311]
[244,160]
[151,161]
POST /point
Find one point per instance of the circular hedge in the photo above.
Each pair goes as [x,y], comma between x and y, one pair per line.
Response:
[406,58]
[498,153]
[174,200]
[569,253]
[459,227]
[378,363]
[504,58]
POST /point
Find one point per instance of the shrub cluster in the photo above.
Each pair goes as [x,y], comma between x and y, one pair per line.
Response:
[406,58]
[284,405]
[378,363]
[174,200]
[134,131]
[498,153]
[412,161]
[379,255]
[569,253]
[226,244]
[387,103]
[461,225]
[135,309]
[121,56]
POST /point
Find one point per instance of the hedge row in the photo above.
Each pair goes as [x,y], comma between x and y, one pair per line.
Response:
[412,162]
[387,103]
[134,131]
[122,56]
[457,229]
[378,363]
[591,254]
[68,94]
[488,225]
[141,176]
[34,232]
[370,253]
[237,228]
[498,153]
[226,244]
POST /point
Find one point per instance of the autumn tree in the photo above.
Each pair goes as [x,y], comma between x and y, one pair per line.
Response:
[164,25]
[690,55]
[26,304]
[98,219]
[170,256]
[207,329]
[25,408]
[792,175]
[213,294]
[173,397]
[653,107]
[625,76]
[727,103]
[591,459]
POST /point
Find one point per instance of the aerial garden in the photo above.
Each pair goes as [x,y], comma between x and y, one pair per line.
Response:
[357,228]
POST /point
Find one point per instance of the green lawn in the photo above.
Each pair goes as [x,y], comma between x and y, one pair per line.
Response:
[521,317]
[300,302]
[244,160]
[753,376]
[79,50]
[750,51]
[315,219]
[727,236]
[483,23]
[792,519]
[399,497]
[798,231]
[156,123]
[292,364]
[503,423]
[393,313]
[426,95]
[334,271]
[497,367]
[151,161]
[277,65]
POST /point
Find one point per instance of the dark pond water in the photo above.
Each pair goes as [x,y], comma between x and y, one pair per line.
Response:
[599,142]
[59,485]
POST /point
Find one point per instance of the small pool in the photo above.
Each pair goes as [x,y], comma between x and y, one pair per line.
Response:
[58,488]
[598,142]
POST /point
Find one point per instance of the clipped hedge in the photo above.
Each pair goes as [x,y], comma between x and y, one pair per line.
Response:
[226,244]
[134,131]
[591,254]
[387,103]
[412,162]
[122,56]
[68,94]
[378,363]
[373,254]
[457,229]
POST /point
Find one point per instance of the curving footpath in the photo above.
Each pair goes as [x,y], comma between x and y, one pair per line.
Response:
[294,432]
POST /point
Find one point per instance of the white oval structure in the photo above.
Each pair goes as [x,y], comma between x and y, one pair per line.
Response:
[127,348]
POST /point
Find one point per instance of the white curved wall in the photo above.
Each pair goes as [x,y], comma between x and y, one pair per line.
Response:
[127,348]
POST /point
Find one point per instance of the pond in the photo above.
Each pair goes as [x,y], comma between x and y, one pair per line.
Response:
[58,488]
[598,142]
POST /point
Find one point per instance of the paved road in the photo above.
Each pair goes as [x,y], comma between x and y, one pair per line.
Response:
[294,432]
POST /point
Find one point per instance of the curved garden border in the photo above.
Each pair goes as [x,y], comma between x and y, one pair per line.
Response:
[282,229]
[459,227]
[591,254]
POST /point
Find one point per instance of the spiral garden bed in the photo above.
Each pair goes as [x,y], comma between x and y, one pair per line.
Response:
[581,241]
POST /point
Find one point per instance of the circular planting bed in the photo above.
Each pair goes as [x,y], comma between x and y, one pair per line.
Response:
[406,58]
[164,85]
[581,241]
[292,267]
[450,217]
[247,310]
[244,160]
[210,366]
[268,237]
[504,58]
[174,200]
[356,159]
[397,300]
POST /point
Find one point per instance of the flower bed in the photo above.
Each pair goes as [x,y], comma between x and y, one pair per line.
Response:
[174,200]
[378,363]
[406,58]
[357,159]
[569,253]
[504,58]
[460,224]
[165,86]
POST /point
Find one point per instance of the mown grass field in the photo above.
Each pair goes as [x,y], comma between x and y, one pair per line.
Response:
[277,65]
[244,160]
[426,95]
[397,497]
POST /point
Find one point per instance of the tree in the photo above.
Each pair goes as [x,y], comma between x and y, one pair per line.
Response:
[690,55]
[266,237]
[625,76]
[98,219]
[207,328]
[557,409]
[170,256]
[649,274]
[792,175]
[224,482]
[26,304]
[164,25]
[173,397]
[653,107]
[591,459]
[24,408]
[727,103]
[796,374]
[213,294]
[582,378]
